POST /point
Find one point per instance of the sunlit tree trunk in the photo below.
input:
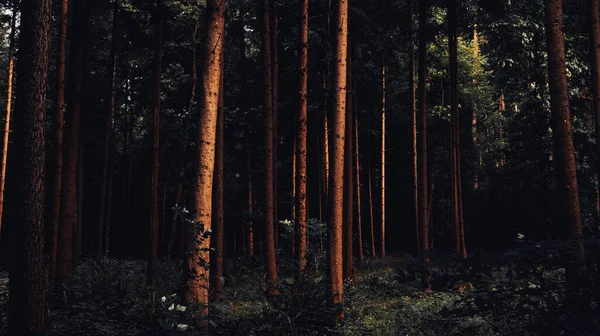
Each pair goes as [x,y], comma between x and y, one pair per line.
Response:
[68,199]
[108,126]
[197,275]
[27,287]
[422,128]
[336,152]
[564,153]
[382,230]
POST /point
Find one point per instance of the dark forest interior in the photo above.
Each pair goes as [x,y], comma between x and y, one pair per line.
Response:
[268,167]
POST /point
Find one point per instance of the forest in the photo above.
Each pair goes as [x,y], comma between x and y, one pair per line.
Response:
[300,167]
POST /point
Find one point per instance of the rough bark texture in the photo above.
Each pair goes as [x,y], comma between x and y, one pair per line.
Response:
[68,199]
[301,208]
[348,175]
[60,120]
[111,93]
[595,57]
[269,234]
[336,155]
[197,276]
[382,230]
[422,128]
[9,90]
[564,154]
[154,214]
[218,219]
[27,286]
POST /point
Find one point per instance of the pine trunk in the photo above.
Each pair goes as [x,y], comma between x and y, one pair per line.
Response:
[274,30]
[413,102]
[382,230]
[348,267]
[422,128]
[218,216]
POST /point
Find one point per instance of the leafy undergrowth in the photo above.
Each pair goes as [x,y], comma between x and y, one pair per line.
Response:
[513,293]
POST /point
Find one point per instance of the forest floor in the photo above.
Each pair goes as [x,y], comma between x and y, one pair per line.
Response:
[387,297]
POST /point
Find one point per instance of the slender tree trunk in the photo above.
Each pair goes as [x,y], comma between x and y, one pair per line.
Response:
[348,268]
[336,177]
[370,183]
[68,199]
[218,216]
[60,120]
[197,276]
[269,227]
[413,102]
[382,237]
[356,155]
[108,125]
[27,286]
[422,128]
[301,206]
[564,153]
[274,29]
[11,62]
[595,57]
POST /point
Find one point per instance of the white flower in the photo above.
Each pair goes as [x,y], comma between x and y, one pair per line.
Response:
[180,308]
[182,327]
[172,306]
[163,299]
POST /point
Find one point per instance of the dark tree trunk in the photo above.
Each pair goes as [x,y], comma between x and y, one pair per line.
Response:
[348,267]
[422,128]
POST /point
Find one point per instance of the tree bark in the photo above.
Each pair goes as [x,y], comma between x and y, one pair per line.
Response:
[382,231]
[27,286]
[68,199]
[370,189]
[301,208]
[274,30]
[348,268]
[108,126]
[413,102]
[197,275]
[218,216]
[564,153]
[336,158]
[422,128]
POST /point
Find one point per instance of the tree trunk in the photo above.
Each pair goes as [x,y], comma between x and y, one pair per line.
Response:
[382,231]
[595,57]
[250,229]
[68,199]
[301,208]
[356,155]
[197,275]
[154,220]
[27,286]
[274,30]
[370,187]
[11,62]
[218,219]
[348,268]
[269,234]
[108,126]
[422,127]
[336,176]
[564,154]
[413,102]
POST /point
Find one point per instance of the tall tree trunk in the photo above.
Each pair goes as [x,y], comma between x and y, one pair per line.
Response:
[382,231]
[325,137]
[27,286]
[370,187]
[218,216]
[348,267]
[356,155]
[197,276]
[60,121]
[111,93]
[422,128]
[274,30]
[11,62]
[336,176]
[595,57]
[269,234]
[301,206]
[413,102]
[564,153]
[68,199]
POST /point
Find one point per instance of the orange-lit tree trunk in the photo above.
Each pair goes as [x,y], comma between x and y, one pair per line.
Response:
[218,215]
[27,286]
[413,104]
[595,56]
[348,267]
[562,134]
[356,155]
[68,199]
[60,120]
[301,208]
[422,128]
[336,152]
[197,275]
[382,231]
[108,125]
[154,219]
[269,234]
[274,30]
[9,89]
